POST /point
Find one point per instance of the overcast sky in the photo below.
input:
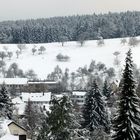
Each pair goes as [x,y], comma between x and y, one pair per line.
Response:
[27,9]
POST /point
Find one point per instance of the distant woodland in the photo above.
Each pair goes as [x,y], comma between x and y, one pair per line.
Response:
[71,28]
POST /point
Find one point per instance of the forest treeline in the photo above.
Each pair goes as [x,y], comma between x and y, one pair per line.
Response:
[71,28]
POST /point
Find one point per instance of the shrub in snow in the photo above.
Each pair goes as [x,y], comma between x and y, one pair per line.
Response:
[63,58]
[133,41]
[41,49]
[2,67]
[100,42]
[116,60]
[9,54]
[123,41]
[34,50]
[17,53]
[63,39]
[2,55]
[5,48]
[21,47]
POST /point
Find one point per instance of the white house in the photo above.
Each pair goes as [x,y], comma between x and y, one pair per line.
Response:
[41,99]
[36,98]
[25,85]
[78,97]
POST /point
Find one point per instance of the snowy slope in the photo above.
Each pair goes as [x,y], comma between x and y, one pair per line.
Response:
[79,56]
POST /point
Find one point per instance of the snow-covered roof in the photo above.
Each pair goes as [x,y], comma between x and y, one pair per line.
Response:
[17,100]
[13,81]
[79,93]
[42,82]
[36,97]
[59,95]
[62,94]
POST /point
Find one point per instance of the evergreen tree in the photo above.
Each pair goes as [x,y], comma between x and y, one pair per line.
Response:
[138,89]
[106,90]
[65,79]
[61,122]
[33,118]
[60,119]
[5,103]
[44,131]
[126,123]
[94,113]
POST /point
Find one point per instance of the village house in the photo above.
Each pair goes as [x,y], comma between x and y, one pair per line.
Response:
[41,85]
[10,130]
[17,84]
[41,99]
[24,85]
[78,97]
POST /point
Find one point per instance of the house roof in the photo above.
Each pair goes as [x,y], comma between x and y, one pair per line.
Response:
[13,81]
[42,82]
[79,93]
[4,126]
[12,122]
[36,97]
[17,100]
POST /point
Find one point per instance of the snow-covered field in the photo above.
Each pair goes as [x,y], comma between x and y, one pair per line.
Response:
[79,56]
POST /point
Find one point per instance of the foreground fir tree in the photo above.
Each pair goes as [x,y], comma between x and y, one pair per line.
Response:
[44,130]
[33,119]
[5,103]
[94,113]
[61,123]
[58,121]
[127,121]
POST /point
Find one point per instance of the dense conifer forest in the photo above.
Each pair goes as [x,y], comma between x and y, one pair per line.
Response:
[71,28]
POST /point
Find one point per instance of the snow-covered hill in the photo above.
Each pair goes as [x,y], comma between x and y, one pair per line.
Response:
[79,56]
